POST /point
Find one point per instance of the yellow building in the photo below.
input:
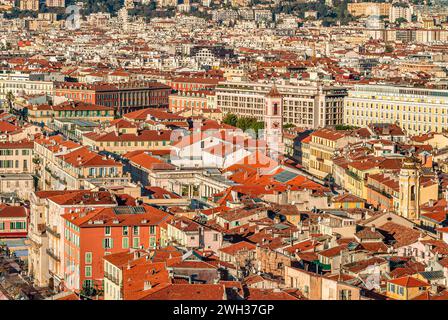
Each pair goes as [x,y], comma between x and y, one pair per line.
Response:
[29,5]
[406,288]
[123,142]
[348,201]
[72,110]
[356,177]
[323,144]
[415,110]
[435,140]
[368,8]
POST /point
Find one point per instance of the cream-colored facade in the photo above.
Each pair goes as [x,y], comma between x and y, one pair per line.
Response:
[20,83]
[124,146]
[58,174]
[29,5]
[368,8]
[37,254]
[16,157]
[19,184]
[415,110]
[113,281]
[306,106]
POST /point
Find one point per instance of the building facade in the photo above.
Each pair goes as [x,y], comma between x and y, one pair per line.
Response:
[416,110]
[124,97]
[304,106]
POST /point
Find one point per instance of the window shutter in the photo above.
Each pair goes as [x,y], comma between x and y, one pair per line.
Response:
[104,243]
[111,243]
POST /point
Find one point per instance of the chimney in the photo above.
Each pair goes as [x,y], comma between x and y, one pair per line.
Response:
[147,285]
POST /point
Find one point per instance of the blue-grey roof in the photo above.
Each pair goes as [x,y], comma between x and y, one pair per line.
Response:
[432,275]
[285,176]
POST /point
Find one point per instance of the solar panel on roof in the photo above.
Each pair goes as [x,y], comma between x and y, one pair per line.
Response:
[129,210]
[431,275]
[285,176]
[280,226]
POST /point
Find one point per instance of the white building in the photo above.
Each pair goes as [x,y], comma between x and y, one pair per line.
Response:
[400,10]
[416,110]
[308,106]
[23,84]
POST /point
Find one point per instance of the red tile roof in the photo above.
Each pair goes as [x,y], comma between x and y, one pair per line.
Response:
[409,282]
[188,292]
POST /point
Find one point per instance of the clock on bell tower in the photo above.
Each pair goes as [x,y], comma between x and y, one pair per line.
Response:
[273,121]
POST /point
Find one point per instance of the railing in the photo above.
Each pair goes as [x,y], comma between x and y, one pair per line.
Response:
[111,278]
[382,192]
[353,175]
[52,232]
[53,255]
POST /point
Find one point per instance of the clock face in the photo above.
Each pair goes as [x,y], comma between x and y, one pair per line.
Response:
[276,125]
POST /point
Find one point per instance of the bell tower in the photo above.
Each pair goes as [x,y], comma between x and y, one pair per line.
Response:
[273,121]
[409,183]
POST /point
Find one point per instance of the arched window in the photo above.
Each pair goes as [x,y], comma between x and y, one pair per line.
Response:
[275,109]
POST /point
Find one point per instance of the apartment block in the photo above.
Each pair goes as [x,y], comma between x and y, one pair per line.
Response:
[304,106]
[23,84]
[416,110]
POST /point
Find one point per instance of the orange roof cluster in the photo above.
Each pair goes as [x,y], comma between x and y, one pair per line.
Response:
[329,134]
[84,157]
[158,114]
[142,135]
[72,106]
[409,282]
[146,161]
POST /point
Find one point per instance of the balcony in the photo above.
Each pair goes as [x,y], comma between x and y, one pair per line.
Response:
[53,232]
[353,175]
[53,255]
[110,277]
[382,192]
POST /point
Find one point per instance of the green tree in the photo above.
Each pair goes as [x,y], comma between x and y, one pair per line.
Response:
[259,125]
[345,127]
[400,21]
[245,123]
[389,48]
[230,119]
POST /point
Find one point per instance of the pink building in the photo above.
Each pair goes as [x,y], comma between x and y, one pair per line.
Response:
[13,221]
